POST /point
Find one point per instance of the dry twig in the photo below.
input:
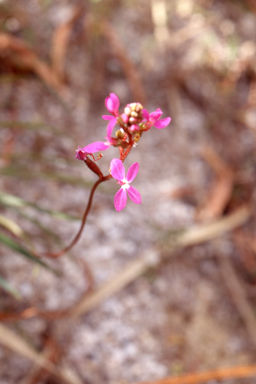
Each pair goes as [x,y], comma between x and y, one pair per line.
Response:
[190,237]
[238,295]
[18,50]
[128,67]
[205,377]
[60,42]
[220,191]
[14,342]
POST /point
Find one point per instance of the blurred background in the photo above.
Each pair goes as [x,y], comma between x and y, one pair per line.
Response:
[160,289]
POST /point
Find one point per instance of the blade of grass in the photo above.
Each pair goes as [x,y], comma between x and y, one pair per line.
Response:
[35,126]
[26,236]
[28,125]
[9,288]
[16,202]
[46,230]
[12,244]
[11,226]
[22,172]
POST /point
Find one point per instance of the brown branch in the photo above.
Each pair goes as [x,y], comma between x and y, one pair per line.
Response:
[129,68]
[204,377]
[238,295]
[17,50]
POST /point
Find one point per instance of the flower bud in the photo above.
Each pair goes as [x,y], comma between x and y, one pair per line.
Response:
[125,118]
[93,167]
[134,113]
[136,137]
[120,134]
[81,154]
[134,128]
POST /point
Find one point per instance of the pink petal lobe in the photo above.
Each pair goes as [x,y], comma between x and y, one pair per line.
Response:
[107,117]
[110,127]
[115,100]
[112,104]
[162,123]
[145,114]
[96,146]
[109,104]
[132,172]
[125,118]
[134,195]
[120,200]
[156,114]
[117,169]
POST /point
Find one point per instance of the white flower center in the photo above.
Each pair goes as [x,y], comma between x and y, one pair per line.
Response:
[126,184]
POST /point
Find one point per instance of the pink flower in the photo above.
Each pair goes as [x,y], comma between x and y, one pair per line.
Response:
[153,119]
[118,172]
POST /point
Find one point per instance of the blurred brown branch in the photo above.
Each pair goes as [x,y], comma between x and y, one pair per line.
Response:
[204,377]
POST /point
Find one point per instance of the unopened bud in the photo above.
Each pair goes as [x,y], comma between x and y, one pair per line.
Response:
[136,137]
[93,167]
[125,118]
[127,111]
[134,113]
[120,134]
[133,120]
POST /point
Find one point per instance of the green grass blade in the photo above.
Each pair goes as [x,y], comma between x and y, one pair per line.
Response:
[9,288]
[21,172]
[12,244]
[16,202]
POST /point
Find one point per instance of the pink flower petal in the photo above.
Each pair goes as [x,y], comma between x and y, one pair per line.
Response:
[132,172]
[112,104]
[96,146]
[156,114]
[162,123]
[110,127]
[145,114]
[125,118]
[117,169]
[120,199]
[107,117]
[134,195]
[115,100]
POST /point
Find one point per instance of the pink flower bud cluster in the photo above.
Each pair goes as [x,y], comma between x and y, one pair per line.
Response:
[132,123]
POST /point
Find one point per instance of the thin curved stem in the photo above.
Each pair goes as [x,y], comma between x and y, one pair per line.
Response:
[87,210]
